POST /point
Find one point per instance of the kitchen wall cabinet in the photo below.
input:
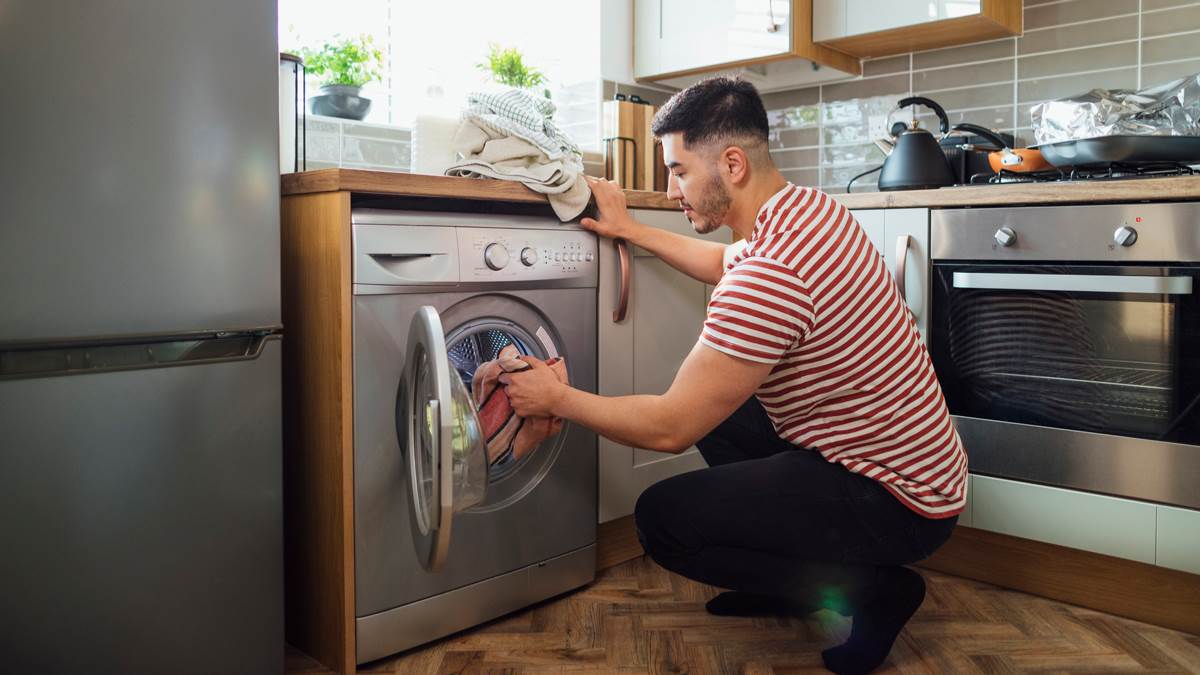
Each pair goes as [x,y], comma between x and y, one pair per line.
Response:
[769,40]
[902,237]
[642,353]
[873,28]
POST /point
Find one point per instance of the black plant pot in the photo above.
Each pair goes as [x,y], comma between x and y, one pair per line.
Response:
[336,100]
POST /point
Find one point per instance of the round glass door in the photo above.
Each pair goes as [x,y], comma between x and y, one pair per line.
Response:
[440,435]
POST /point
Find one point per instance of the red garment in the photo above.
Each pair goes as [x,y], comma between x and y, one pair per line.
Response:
[508,435]
[852,377]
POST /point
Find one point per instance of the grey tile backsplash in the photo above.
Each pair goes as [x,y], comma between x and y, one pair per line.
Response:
[820,134]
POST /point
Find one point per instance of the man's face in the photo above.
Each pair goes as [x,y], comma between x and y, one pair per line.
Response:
[694,181]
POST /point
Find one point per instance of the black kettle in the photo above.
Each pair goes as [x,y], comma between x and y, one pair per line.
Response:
[917,162]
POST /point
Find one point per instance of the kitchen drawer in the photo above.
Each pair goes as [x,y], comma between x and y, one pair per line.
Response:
[1178,539]
[1118,527]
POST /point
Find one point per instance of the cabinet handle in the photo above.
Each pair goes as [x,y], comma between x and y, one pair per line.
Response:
[626,264]
[901,258]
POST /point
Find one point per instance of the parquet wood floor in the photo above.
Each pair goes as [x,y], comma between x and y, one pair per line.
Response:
[638,618]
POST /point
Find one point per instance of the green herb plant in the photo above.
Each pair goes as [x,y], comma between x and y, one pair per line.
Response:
[351,62]
[507,66]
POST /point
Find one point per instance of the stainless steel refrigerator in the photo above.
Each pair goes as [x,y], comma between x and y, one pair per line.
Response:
[140,468]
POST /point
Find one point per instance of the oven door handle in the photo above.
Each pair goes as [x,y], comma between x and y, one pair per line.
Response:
[1075,283]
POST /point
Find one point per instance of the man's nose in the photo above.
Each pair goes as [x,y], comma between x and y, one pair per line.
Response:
[673,191]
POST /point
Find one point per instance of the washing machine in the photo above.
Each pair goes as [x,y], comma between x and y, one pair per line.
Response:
[435,295]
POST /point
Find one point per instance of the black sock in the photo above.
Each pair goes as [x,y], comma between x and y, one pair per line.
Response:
[878,622]
[737,603]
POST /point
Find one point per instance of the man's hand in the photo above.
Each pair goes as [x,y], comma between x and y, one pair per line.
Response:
[615,221]
[534,392]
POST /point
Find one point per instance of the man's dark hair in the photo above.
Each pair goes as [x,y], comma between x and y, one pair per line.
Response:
[714,109]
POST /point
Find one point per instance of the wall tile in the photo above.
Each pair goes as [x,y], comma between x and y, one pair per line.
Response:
[980,73]
[793,118]
[1081,35]
[854,155]
[1077,61]
[1170,48]
[890,84]
[804,177]
[1049,88]
[983,51]
[792,98]
[987,96]
[1171,21]
[795,159]
[794,138]
[1163,73]
[1149,5]
[893,64]
[1042,16]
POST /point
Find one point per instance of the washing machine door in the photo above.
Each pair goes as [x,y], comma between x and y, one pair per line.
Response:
[445,452]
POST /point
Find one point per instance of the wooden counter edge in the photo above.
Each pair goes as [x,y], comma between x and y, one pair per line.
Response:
[360,181]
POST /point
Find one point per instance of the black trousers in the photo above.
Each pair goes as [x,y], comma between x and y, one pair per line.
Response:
[771,518]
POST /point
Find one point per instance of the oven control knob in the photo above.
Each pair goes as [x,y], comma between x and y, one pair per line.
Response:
[1005,236]
[1125,236]
[528,257]
[496,256]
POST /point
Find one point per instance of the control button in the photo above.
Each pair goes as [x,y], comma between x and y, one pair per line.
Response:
[557,257]
[588,257]
[1125,236]
[529,257]
[575,257]
[1005,236]
[496,256]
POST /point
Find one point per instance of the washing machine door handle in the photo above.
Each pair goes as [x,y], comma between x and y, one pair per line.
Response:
[445,453]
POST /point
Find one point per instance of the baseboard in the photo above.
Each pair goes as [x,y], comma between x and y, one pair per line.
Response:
[1149,593]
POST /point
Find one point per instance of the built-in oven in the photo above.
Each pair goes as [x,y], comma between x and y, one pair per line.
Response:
[1067,342]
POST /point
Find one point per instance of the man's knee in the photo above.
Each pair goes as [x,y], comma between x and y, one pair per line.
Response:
[656,516]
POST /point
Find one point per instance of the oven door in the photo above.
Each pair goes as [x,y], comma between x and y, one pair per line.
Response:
[1074,375]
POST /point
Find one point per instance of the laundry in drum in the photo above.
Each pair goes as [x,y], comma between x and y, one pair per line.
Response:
[509,436]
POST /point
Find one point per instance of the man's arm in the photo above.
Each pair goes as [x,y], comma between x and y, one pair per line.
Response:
[702,260]
[709,386]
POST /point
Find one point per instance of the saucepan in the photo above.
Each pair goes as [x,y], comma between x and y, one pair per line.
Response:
[1019,160]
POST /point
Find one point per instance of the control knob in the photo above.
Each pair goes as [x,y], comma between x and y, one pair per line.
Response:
[1005,236]
[1125,236]
[529,257]
[496,256]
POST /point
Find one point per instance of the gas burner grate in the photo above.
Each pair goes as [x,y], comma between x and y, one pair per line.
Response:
[1114,171]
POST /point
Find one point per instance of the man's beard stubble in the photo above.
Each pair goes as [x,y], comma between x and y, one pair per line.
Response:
[711,209]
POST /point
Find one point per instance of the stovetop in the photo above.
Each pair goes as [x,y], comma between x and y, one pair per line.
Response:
[1115,171]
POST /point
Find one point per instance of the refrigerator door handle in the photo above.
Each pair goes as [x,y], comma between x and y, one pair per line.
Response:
[50,358]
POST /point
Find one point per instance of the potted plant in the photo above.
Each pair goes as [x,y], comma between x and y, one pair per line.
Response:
[344,66]
[506,66]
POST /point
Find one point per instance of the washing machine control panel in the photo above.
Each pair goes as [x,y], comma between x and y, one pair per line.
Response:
[492,254]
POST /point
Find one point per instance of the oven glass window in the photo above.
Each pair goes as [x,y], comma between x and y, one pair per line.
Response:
[1026,344]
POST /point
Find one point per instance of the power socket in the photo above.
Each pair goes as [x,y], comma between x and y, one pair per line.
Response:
[877,127]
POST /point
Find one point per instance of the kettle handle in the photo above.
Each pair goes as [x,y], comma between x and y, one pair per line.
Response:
[932,105]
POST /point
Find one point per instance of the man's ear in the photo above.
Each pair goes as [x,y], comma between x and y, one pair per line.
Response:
[735,162]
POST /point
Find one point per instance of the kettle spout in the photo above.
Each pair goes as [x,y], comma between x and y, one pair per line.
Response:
[885,145]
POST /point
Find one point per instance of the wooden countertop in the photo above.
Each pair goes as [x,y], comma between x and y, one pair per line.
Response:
[361,181]
[419,185]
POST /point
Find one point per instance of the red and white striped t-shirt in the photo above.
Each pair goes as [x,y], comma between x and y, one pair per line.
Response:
[852,378]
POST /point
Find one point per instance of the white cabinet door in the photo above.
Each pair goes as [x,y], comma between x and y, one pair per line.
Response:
[702,34]
[641,355]
[869,16]
[902,237]
[829,19]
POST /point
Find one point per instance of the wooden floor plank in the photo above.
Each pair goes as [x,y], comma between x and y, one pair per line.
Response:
[638,618]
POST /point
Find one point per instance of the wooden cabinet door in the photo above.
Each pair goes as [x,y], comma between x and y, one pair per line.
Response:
[642,354]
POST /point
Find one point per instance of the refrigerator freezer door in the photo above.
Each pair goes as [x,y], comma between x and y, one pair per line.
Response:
[141,515]
[140,179]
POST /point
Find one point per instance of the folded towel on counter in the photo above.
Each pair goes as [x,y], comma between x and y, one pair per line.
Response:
[515,112]
[509,436]
[487,153]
